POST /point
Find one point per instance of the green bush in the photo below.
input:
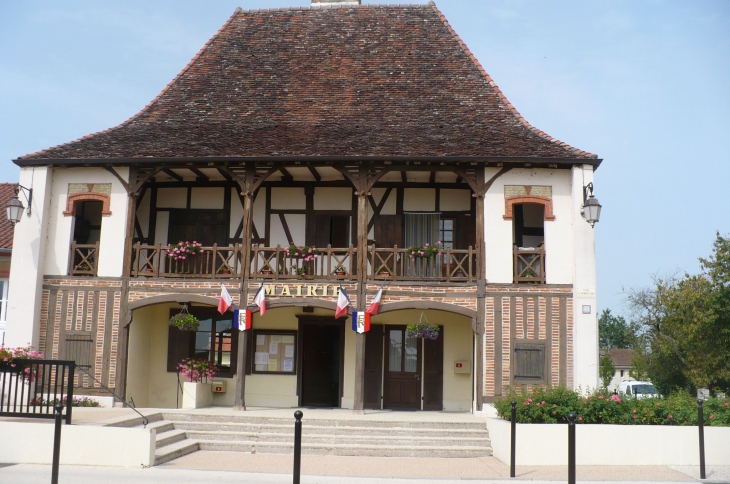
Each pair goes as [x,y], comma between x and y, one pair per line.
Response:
[552,405]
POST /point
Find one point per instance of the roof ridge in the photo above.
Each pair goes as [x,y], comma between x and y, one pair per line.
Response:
[334,6]
[499,92]
[149,104]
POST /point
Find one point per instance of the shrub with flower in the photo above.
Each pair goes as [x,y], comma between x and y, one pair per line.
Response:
[185,322]
[552,405]
[428,251]
[77,402]
[305,252]
[183,250]
[197,370]
[11,359]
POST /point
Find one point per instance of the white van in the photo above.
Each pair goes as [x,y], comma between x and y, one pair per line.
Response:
[638,389]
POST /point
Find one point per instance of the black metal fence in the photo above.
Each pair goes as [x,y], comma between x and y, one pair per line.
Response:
[30,388]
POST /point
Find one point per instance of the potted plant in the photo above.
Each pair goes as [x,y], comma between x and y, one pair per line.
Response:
[224,269]
[12,360]
[382,271]
[301,271]
[266,271]
[340,271]
[84,266]
[198,373]
[305,252]
[428,251]
[184,249]
[184,321]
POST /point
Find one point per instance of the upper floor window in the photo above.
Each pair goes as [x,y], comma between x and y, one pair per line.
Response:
[87,222]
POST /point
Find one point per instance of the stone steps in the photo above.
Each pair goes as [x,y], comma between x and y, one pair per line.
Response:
[178,434]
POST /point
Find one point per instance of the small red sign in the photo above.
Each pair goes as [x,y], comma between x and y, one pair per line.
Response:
[458,365]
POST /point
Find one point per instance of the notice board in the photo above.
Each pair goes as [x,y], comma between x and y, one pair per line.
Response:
[275,352]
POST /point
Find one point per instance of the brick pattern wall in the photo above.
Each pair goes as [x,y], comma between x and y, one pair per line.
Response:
[535,314]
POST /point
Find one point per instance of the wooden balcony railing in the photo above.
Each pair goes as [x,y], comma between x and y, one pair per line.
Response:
[276,263]
[529,264]
[84,259]
[214,262]
[395,265]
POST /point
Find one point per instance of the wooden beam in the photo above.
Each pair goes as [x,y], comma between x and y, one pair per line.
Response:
[404,177]
[121,180]
[362,275]
[315,174]
[285,175]
[172,174]
[225,175]
[432,178]
[201,176]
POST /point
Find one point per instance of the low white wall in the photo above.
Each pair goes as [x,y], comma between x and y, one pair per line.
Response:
[32,443]
[547,444]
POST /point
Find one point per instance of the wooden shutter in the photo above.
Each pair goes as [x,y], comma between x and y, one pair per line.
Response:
[373,366]
[79,347]
[389,231]
[529,361]
[433,372]
[465,234]
[180,345]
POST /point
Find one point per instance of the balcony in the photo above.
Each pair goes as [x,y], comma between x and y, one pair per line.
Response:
[275,263]
[84,259]
[529,264]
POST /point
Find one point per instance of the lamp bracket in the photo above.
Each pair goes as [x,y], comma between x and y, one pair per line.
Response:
[27,193]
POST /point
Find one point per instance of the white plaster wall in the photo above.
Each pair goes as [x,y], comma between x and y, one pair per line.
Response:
[172,198]
[419,199]
[32,443]
[547,444]
[60,226]
[332,198]
[585,327]
[389,207]
[26,267]
[207,197]
[558,232]
[143,213]
[161,227]
[259,212]
[297,227]
[288,198]
[454,200]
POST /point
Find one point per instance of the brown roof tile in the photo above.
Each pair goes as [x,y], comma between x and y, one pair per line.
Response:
[7,191]
[620,356]
[361,81]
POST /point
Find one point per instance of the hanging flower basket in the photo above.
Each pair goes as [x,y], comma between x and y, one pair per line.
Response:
[422,329]
[183,250]
[185,321]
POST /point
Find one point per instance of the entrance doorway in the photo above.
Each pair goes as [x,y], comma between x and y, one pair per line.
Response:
[321,349]
[402,370]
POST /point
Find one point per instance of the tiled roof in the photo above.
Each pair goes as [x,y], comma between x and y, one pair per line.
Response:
[620,356]
[341,81]
[7,191]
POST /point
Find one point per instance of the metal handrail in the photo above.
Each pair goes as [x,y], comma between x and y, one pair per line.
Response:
[145,420]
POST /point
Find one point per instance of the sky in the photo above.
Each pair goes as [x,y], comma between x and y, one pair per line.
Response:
[643,84]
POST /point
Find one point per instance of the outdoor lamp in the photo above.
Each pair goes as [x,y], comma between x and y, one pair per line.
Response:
[591,209]
[15,206]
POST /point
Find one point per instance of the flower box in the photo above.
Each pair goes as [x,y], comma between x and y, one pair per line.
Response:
[197,395]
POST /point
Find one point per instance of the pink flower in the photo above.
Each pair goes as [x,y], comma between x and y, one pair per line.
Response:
[670,416]
[634,410]
[543,402]
[438,242]
[711,417]
[600,397]
[726,404]
[554,405]
[634,416]
[580,419]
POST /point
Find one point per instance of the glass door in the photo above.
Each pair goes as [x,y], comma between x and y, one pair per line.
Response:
[403,370]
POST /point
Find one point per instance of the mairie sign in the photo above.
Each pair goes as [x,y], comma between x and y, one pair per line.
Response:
[301,290]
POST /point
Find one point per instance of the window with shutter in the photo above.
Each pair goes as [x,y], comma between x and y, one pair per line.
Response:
[529,362]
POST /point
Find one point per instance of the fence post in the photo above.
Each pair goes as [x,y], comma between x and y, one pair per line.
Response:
[701,425]
[513,442]
[297,445]
[70,392]
[571,448]
[58,407]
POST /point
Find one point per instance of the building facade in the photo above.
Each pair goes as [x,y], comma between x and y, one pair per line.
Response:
[359,132]
[7,192]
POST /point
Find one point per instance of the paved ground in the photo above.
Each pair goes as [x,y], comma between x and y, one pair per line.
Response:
[35,474]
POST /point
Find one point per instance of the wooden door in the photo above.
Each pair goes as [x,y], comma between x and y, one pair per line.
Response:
[402,369]
[389,231]
[373,366]
[433,372]
[320,370]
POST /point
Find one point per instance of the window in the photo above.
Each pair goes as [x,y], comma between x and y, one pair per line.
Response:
[446,232]
[529,362]
[215,341]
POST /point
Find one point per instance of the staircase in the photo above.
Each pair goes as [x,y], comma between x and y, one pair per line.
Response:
[179,434]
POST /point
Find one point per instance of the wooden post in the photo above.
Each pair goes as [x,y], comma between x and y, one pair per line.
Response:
[123,341]
[362,280]
[481,289]
[246,191]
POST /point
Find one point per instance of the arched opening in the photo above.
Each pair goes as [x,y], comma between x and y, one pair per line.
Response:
[86,236]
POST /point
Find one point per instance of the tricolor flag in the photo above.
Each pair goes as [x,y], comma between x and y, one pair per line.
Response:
[343,303]
[360,321]
[242,319]
[260,299]
[373,308]
[225,301]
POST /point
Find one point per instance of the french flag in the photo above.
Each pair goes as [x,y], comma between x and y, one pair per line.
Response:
[260,299]
[373,308]
[225,300]
[343,303]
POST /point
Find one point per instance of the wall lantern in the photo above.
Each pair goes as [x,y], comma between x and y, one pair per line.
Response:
[15,206]
[591,209]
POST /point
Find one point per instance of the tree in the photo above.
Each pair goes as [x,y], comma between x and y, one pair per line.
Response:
[606,369]
[684,325]
[614,331]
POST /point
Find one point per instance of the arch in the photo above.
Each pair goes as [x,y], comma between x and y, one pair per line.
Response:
[298,302]
[509,203]
[168,298]
[434,305]
[87,197]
